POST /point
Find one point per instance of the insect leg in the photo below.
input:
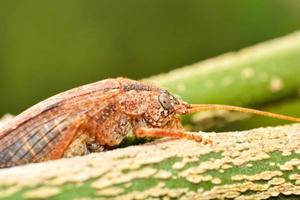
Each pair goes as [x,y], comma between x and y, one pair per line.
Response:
[174,133]
[93,147]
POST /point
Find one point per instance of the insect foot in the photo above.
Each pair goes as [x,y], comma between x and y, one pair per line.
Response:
[174,133]
[93,147]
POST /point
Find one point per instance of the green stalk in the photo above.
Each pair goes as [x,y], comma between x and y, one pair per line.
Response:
[252,76]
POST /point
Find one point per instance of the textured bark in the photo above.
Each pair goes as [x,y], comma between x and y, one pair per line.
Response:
[260,163]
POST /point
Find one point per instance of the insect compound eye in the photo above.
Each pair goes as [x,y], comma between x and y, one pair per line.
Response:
[164,100]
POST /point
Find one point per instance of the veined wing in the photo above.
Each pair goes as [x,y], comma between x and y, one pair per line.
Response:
[38,130]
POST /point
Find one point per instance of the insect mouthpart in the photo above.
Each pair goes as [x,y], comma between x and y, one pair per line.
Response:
[182,108]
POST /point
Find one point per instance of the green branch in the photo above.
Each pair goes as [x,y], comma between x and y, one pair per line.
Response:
[254,76]
[260,163]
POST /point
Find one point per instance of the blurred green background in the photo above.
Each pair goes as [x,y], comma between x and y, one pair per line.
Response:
[50,46]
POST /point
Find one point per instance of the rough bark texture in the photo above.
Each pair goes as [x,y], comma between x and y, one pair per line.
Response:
[260,163]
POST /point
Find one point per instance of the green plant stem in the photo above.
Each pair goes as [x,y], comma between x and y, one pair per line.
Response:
[253,76]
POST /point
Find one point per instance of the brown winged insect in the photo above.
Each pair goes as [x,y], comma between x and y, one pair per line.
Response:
[97,115]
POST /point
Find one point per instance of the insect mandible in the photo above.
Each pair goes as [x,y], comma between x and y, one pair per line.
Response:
[90,117]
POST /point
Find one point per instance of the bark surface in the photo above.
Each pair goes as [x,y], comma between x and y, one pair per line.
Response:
[259,163]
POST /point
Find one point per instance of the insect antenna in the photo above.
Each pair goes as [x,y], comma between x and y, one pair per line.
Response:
[206,107]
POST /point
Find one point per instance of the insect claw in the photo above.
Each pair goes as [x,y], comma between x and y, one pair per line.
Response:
[200,139]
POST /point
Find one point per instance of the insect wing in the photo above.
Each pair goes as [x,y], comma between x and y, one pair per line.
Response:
[34,133]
